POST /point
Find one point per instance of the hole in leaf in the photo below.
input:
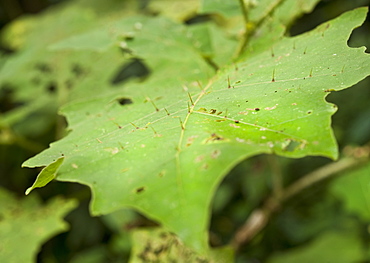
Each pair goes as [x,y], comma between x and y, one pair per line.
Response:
[134,69]
[124,101]
[78,70]
[6,50]
[140,189]
[51,87]
[197,19]
[291,145]
[7,102]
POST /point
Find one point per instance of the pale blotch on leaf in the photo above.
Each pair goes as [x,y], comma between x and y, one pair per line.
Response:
[199,158]
[190,140]
[214,138]
[234,125]
[271,108]
[291,145]
[113,150]
[162,173]
[215,154]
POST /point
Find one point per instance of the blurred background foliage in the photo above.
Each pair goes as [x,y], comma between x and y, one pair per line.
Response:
[328,222]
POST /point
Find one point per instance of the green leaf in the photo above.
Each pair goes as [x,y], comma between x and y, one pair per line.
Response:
[49,77]
[29,224]
[213,43]
[46,175]
[158,245]
[329,247]
[176,10]
[162,146]
[225,8]
[353,188]
[271,29]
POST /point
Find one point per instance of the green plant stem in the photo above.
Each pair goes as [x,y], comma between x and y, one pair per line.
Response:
[244,11]
[317,176]
[246,32]
[260,216]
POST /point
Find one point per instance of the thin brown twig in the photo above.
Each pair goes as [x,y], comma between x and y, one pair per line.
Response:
[261,216]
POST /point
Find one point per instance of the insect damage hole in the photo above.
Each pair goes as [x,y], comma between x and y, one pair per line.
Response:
[214,138]
[140,190]
[52,87]
[136,68]
[124,101]
[290,145]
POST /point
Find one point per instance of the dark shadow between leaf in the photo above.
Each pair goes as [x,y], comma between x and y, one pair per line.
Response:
[133,69]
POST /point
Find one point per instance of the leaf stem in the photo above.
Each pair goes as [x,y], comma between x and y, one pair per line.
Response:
[244,11]
[244,42]
[260,217]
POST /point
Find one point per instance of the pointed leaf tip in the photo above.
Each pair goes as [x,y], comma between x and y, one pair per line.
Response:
[46,175]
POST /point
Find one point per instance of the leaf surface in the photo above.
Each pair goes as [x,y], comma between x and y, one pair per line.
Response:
[157,245]
[46,175]
[28,223]
[162,146]
[329,247]
[353,188]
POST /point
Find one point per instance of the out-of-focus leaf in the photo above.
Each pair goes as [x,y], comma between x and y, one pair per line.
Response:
[213,43]
[329,247]
[225,8]
[93,255]
[273,27]
[176,10]
[26,224]
[354,189]
[158,245]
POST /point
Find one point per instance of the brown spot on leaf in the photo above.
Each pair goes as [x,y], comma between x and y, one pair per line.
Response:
[199,158]
[205,166]
[234,125]
[215,154]
[140,190]
[214,138]
[124,101]
[190,140]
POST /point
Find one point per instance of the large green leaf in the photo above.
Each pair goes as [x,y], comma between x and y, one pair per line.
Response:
[162,146]
[28,224]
